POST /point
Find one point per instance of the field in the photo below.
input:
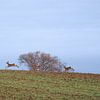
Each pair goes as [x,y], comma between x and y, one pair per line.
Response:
[28,85]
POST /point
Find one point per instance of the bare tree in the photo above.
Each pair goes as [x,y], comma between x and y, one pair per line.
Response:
[41,61]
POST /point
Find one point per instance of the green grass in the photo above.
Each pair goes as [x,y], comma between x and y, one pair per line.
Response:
[28,85]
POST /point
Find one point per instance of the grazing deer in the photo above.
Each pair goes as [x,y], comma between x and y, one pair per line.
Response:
[68,68]
[11,65]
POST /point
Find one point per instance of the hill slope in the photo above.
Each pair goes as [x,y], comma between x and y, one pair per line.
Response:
[27,85]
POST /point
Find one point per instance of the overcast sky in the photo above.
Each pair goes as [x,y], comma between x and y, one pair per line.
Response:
[69,29]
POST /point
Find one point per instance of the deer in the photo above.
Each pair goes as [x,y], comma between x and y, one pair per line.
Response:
[68,68]
[11,65]
[36,67]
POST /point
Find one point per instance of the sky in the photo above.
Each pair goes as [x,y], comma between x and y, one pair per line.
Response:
[69,29]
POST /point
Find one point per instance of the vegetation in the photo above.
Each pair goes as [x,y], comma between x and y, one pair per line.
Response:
[41,61]
[29,85]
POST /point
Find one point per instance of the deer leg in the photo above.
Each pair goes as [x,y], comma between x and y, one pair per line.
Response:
[6,67]
[17,66]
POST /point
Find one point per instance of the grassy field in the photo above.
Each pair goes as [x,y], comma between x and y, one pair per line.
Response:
[27,85]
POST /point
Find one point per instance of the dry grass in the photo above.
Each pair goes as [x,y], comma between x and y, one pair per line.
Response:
[28,85]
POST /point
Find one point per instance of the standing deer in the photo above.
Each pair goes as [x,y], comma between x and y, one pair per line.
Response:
[36,66]
[67,69]
[11,65]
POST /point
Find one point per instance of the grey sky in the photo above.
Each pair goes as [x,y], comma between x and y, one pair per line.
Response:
[69,29]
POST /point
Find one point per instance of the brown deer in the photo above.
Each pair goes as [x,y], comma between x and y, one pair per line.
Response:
[67,69]
[11,65]
[36,66]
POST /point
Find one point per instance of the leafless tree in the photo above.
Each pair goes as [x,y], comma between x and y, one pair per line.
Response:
[41,61]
